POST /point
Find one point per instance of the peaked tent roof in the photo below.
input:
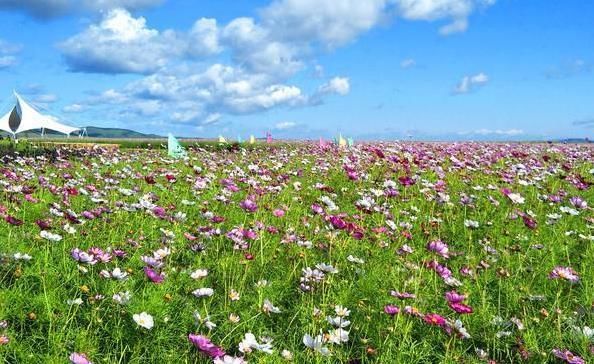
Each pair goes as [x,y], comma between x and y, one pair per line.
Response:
[30,119]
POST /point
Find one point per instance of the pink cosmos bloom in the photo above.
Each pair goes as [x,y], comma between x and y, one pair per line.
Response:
[566,273]
[248,205]
[206,346]
[153,275]
[402,295]
[434,319]
[568,356]
[317,209]
[279,212]
[439,247]
[391,310]
[78,358]
[454,297]
[460,308]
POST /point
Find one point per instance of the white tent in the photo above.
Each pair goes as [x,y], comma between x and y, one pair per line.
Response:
[23,117]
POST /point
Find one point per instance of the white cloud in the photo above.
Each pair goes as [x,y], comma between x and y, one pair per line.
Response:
[8,53]
[284,125]
[7,61]
[212,119]
[52,8]
[204,38]
[337,85]
[457,11]
[120,43]
[331,22]
[408,63]
[74,108]
[470,83]
[499,132]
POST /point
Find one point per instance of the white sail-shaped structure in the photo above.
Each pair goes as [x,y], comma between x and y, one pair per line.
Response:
[23,117]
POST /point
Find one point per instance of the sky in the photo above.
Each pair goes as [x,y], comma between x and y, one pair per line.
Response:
[373,69]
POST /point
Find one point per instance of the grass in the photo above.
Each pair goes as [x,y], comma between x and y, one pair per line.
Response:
[510,268]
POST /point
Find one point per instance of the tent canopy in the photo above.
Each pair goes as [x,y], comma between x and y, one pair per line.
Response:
[23,117]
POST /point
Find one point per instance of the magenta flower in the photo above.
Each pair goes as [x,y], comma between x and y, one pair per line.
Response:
[566,273]
[434,319]
[568,356]
[248,205]
[279,212]
[153,275]
[206,346]
[439,248]
[317,209]
[78,358]
[454,297]
[460,308]
[391,310]
[13,220]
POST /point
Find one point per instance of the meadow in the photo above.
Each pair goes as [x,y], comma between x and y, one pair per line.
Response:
[296,252]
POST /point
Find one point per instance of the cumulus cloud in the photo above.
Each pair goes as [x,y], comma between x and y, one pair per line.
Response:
[457,11]
[46,9]
[470,83]
[337,85]
[74,108]
[120,43]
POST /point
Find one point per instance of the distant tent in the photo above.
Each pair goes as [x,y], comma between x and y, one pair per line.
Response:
[341,141]
[175,149]
[222,139]
[24,117]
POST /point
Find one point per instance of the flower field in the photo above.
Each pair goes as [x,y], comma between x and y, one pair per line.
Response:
[385,253]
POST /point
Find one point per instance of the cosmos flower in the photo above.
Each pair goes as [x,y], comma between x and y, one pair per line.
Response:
[566,273]
[568,356]
[439,247]
[144,320]
[153,275]
[316,344]
[205,346]
[79,358]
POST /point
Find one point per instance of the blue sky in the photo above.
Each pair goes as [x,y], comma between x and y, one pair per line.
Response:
[389,69]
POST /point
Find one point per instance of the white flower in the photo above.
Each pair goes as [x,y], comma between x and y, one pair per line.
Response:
[316,344]
[21,256]
[199,273]
[338,336]
[77,301]
[119,274]
[287,355]
[203,292]
[268,307]
[471,224]
[249,342]
[338,321]
[50,236]
[341,311]
[122,298]
[144,320]
[353,259]
[516,198]
[328,268]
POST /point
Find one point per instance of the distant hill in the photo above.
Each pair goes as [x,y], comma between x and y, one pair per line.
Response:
[93,132]
[96,132]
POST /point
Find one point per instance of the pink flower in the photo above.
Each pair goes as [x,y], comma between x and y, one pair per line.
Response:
[434,319]
[279,212]
[568,356]
[206,346]
[248,205]
[566,273]
[153,275]
[78,358]
[439,247]
[460,308]
[391,310]
[454,297]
